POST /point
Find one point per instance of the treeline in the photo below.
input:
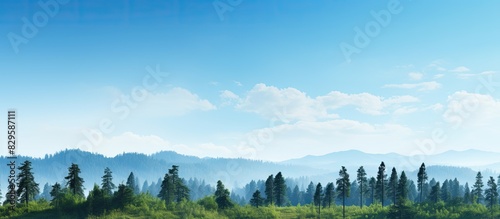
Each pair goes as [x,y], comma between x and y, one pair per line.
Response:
[385,195]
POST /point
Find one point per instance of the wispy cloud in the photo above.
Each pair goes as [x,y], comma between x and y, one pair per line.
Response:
[438,76]
[423,86]
[294,105]
[460,69]
[415,76]
[239,84]
[469,75]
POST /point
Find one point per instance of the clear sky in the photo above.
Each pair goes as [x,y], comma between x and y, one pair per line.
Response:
[262,79]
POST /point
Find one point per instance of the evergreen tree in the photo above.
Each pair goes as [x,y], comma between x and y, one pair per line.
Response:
[309,193]
[123,197]
[250,189]
[107,182]
[412,191]
[381,183]
[318,196]
[455,189]
[491,193]
[131,181]
[295,199]
[222,196]
[96,201]
[329,195]
[402,188]
[269,190]
[392,188]
[74,181]
[55,193]
[343,187]
[435,195]
[498,181]
[279,189]
[145,187]
[477,189]
[172,187]
[256,200]
[421,179]
[446,191]
[372,184]
[363,184]
[46,192]
[467,194]
[27,187]
[167,189]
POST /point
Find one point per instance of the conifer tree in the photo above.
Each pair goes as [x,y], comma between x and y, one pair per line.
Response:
[27,187]
[421,179]
[343,187]
[363,184]
[107,182]
[74,181]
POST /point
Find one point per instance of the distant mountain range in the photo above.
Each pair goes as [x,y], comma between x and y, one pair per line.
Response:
[237,172]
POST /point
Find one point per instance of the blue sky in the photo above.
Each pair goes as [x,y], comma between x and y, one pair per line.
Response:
[261,80]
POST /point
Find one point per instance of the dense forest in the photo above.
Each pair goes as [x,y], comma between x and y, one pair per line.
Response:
[350,194]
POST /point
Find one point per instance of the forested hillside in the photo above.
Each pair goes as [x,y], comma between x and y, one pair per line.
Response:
[349,193]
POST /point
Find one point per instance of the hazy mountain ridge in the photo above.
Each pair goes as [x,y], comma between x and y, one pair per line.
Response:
[236,172]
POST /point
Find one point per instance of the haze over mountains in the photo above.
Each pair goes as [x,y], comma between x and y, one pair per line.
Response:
[237,172]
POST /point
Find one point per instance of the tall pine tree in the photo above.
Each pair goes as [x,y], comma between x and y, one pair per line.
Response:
[107,182]
[269,190]
[421,179]
[173,188]
[222,196]
[279,189]
[74,181]
[329,195]
[318,196]
[256,200]
[373,186]
[381,183]
[343,187]
[392,188]
[477,189]
[491,193]
[363,184]
[27,187]
[402,193]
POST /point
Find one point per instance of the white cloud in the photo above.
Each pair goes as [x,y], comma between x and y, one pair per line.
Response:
[437,65]
[177,101]
[423,86]
[229,98]
[290,104]
[405,110]
[460,69]
[283,104]
[438,76]
[473,120]
[435,107]
[239,84]
[469,75]
[415,76]
[364,102]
